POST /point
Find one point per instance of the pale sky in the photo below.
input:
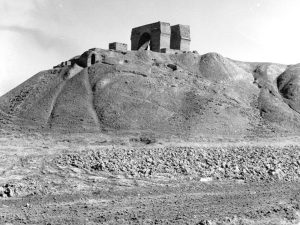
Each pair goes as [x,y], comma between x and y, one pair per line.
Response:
[38,34]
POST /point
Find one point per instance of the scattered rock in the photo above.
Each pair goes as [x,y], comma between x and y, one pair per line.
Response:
[7,191]
[206,179]
[204,222]
[247,163]
[2,191]
[172,66]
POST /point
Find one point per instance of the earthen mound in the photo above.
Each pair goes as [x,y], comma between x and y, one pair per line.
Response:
[181,94]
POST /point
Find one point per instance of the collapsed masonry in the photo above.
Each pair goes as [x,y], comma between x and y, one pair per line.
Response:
[157,37]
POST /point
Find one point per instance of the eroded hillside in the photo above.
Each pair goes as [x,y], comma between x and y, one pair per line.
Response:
[182,94]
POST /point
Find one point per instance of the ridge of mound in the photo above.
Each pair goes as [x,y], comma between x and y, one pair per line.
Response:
[182,94]
[289,86]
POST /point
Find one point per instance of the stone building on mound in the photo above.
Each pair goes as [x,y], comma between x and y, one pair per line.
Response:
[161,37]
[157,37]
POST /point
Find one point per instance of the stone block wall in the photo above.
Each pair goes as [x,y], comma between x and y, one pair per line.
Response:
[169,51]
[88,58]
[180,37]
[118,46]
[161,36]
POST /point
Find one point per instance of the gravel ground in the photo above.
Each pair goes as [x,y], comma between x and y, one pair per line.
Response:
[82,180]
[249,163]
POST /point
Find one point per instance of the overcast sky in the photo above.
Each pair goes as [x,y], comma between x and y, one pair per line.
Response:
[38,34]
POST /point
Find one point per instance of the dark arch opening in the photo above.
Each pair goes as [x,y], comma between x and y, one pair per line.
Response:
[93,59]
[145,42]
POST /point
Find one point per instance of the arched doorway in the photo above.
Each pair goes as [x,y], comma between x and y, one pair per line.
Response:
[93,59]
[145,42]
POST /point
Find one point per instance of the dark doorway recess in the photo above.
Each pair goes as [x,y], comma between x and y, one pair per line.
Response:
[145,42]
[93,59]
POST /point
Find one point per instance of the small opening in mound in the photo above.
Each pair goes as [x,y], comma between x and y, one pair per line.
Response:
[93,59]
[94,88]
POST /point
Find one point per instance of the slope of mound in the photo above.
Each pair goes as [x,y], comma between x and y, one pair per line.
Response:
[289,86]
[181,94]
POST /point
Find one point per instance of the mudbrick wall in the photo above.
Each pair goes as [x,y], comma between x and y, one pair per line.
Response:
[161,36]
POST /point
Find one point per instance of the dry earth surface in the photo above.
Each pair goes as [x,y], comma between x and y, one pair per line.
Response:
[150,138]
[94,179]
[186,95]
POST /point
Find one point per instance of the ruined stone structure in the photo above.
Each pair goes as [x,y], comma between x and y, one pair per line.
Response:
[70,62]
[117,46]
[161,35]
[157,37]
[88,58]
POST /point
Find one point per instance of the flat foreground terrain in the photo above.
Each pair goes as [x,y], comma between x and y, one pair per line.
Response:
[86,179]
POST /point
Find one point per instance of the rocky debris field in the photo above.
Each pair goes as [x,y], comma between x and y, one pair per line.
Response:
[248,163]
[83,179]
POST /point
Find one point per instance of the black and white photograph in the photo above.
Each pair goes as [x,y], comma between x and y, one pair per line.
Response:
[150,112]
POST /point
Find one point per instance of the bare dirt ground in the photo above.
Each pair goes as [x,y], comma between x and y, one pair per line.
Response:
[174,139]
[93,179]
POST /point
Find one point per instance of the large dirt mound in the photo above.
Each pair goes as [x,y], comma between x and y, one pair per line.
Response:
[182,94]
